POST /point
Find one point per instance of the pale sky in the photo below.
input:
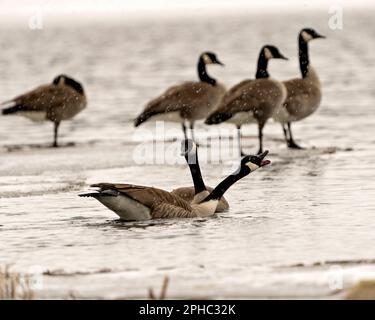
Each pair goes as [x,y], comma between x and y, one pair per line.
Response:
[64,6]
[13,10]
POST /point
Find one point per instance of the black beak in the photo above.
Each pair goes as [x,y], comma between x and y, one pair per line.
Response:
[282,57]
[219,62]
[319,36]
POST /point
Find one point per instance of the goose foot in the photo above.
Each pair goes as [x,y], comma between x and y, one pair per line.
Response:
[293,145]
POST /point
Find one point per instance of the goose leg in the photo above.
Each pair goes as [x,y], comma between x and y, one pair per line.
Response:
[56,129]
[260,136]
[192,133]
[291,143]
[285,130]
[184,130]
[239,139]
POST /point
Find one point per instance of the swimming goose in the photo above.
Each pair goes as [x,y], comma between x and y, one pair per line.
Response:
[189,101]
[132,202]
[58,101]
[304,94]
[252,100]
[199,191]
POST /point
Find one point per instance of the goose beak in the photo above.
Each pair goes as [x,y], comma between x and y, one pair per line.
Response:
[319,36]
[262,156]
[283,57]
[219,62]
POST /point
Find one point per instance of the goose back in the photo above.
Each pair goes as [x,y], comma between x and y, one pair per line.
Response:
[190,100]
[188,194]
[56,103]
[258,97]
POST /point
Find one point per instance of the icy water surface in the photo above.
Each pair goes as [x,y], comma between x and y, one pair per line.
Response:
[295,229]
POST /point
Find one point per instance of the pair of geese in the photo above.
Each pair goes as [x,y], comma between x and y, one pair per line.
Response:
[134,202]
[250,101]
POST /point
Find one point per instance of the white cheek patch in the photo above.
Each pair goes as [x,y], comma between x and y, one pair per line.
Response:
[306,36]
[252,166]
[207,59]
[268,54]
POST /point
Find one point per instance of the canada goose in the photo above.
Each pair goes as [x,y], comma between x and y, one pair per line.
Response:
[199,191]
[304,93]
[189,101]
[252,100]
[132,202]
[60,100]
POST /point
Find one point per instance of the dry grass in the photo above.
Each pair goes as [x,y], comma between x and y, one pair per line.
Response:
[13,285]
[163,291]
[364,290]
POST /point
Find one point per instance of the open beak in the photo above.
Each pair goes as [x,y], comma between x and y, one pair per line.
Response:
[262,156]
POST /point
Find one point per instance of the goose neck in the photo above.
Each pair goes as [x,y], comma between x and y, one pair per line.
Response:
[202,73]
[192,161]
[303,53]
[224,185]
[262,67]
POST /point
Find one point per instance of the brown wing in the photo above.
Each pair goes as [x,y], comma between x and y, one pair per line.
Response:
[58,102]
[241,97]
[257,96]
[169,101]
[34,100]
[252,95]
[234,90]
[186,193]
[148,196]
[183,97]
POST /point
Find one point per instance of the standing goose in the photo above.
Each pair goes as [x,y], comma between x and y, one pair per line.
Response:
[131,202]
[60,100]
[189,101]
[199,191]
[304,94]
[252,100]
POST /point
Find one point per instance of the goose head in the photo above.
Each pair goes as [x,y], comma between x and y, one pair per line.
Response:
[248,164]
[271,52]
[63,79]
[308,34]
[210,58]
[254,162]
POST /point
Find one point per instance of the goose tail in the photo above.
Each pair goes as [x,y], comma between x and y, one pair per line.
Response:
[12,110]
[141,118]
[96,195]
